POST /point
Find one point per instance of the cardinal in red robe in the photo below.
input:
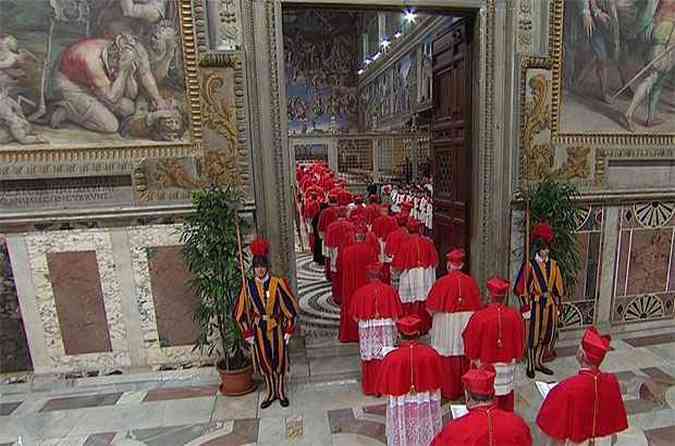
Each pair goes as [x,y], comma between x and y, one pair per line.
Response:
[383,225]
[392,246]
[376,308]
[587,408]
[339,234]
[326,217]
[353,262]
[417,260]
[373,209]
[485,424]
[496,335]
[410,377]
[452,301]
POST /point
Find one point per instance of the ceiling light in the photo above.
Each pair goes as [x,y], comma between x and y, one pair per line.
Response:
[385,43]
[397,35]
[409,16]
[360,72]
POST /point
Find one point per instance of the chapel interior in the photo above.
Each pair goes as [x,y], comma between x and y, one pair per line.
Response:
[475,125]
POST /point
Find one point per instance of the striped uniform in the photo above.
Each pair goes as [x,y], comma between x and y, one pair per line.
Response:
[542,296]
[266,310]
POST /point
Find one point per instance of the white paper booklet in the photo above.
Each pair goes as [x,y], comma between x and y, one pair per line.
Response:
[458,410]
[544,388]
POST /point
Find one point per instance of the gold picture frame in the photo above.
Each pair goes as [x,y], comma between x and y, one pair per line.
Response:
[135,150]
[613,111]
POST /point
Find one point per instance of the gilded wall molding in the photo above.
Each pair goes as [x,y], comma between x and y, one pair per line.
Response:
[570,137]
[525,40]
[89,153]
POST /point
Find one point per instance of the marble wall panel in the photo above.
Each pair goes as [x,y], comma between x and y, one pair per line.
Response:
[580,304]
[14,352]
[39,247]
[140,240]
[174,300]
[79,302]
[643,289]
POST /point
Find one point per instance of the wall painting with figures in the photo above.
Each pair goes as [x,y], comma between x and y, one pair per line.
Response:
[91,73]
[321,50]
[612,70]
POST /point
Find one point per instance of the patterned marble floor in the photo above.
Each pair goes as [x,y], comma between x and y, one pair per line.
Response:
[183,408]
[319,314]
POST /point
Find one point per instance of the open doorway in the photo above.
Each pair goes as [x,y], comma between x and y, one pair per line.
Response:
[383,97]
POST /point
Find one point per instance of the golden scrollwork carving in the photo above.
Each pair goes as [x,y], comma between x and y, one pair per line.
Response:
[577,165]
[217,114]
[537,158]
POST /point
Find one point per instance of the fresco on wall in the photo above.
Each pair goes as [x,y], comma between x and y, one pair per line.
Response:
[85,72]
[321,51]
[311,152]
[616,64]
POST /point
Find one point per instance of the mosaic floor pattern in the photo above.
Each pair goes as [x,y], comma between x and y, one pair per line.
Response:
[319,314]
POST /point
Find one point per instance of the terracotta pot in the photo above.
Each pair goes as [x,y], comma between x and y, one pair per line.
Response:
[236,382]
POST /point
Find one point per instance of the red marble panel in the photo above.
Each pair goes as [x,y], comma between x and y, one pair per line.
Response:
[174,301]
[179,393]
[76,283]
[649,256]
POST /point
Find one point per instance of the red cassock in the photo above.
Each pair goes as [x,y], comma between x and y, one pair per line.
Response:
[411,378]
[372,212]
[496,335]
[578,410]
[395,239]
[384,225]
[326,217]
[452,301]
[485,426]
[376,307]
[354,260]
[397,378]
[359,212]
[417,260]
[372,240]
[339,234]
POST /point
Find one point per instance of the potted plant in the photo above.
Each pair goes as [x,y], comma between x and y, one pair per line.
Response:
[553,201]
[212,252]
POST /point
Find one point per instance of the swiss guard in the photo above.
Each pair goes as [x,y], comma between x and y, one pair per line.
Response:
[265,311]
[586,409]
[540,288]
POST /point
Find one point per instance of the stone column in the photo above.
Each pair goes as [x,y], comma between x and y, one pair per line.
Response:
[274,200]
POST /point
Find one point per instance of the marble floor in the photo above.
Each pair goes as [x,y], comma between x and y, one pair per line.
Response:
[183,407]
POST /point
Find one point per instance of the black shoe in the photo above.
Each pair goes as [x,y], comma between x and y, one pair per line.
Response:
[267,403]
[530,374]
[284,402]
[545,370]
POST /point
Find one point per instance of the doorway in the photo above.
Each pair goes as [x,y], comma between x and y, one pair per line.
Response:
[494,97]
[386,99]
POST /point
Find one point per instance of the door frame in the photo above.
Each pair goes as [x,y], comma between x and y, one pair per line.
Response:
[494,102]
